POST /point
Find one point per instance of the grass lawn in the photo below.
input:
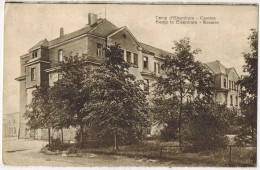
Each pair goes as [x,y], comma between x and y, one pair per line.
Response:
[240,156]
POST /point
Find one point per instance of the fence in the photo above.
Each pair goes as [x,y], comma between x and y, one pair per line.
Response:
[228,155]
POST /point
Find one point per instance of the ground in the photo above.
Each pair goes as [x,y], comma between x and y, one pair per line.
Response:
[24,152]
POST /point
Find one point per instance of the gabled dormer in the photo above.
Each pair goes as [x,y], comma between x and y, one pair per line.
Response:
[37,63]
[39,51]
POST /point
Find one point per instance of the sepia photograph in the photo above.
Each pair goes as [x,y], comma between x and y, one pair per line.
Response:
[130,84]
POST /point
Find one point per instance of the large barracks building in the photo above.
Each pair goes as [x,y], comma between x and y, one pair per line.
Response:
[38,66]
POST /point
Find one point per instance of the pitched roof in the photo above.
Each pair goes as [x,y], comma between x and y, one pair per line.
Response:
[155,50]
[218,68]
[65,37]
[103,28]
[42,43]
[228,70]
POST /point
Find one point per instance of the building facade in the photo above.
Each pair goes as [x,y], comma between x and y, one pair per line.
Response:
[11,124]
[227,91]
[38,66]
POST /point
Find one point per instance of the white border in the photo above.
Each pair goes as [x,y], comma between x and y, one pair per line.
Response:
[103,1]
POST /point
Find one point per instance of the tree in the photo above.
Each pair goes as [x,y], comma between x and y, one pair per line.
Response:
[184,78]
[118,103]
[208,125]
[166,114]
[38,111]
[70,93]
[249,93]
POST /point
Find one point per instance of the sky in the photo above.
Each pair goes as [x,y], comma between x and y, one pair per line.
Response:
[27,24]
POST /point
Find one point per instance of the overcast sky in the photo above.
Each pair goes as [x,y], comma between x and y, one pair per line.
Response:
[26,24]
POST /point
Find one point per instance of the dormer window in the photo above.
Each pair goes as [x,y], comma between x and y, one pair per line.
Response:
[34,53]
[60,56]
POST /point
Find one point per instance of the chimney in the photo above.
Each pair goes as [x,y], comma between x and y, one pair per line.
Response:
[61,32]
[92,19]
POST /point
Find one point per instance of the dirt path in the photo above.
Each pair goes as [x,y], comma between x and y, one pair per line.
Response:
[26,152]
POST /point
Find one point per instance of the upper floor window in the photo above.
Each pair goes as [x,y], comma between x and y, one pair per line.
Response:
[128,57]
[231,100]
[99,50]
[60,56]
[229,84]
[156,67]
[225,83]
[145,62]
[34,53]
[33,74]
[146,85]
[135,60]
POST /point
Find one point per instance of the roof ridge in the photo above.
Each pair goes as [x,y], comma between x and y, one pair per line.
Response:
[156,48]
[102,20]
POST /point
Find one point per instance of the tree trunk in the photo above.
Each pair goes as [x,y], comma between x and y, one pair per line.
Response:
[252,130]
[180,117]
[81,135]
[49,136]
[115,139]
[61,135]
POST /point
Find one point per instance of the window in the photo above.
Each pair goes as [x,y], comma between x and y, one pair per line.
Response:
[232,83]
[231,100]
[60,56]
[156,67]
[229,84]
[236,101]
[59,76]
[99,50]
[128,57]
[32,74]
[34,54]
[225,83]
[135,60]
[145,62]
[146,85]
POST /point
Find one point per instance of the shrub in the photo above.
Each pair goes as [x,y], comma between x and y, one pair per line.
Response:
[169,132]
[206,128]
[92,138]
[73,150]
[56,144]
